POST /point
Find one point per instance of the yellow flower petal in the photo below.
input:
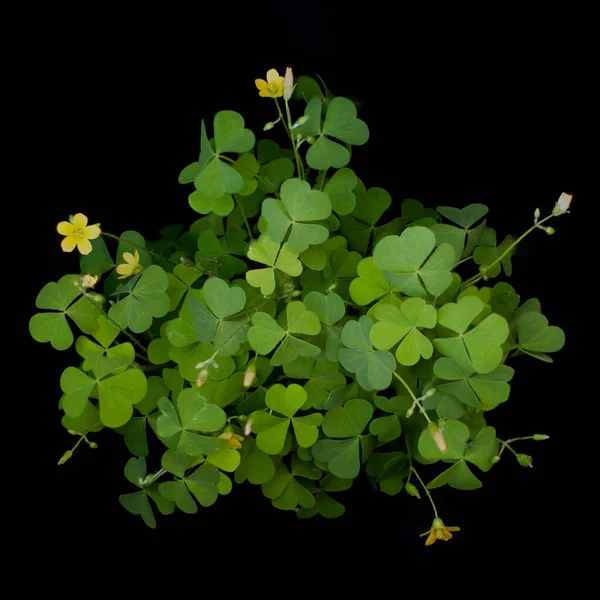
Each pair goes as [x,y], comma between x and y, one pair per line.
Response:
[65,228]
[84,246]
[124,269]
[129,258]
[68,244]
[273,76]
[92,232]
[262,85]
[235,444]
[80,221]
[136,255]
[432,537]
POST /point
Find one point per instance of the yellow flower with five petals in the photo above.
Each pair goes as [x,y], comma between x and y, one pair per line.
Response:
[131,266]
[78,234]
[272,87]
[438,531]
[234,439]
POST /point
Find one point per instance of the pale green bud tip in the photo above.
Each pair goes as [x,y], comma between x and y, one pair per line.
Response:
[430,393]
[301,121]
[65,457]
[495,460]
[550,230]
[268,126]
[72,432]
[562,205]
[525,460]
[410,412]
[412,490]
[93,445]
[536,214]
[288,84]
[540,437]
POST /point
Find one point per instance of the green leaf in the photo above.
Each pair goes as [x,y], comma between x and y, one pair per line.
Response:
[134,432]
[458,476]
[370,284]
[226,458]
[196,414]
[465,217]
[386,428]
[455,434]
[203,484]
[373,368]
[117,395]
[51,327]
[222,300]
[146,300]
[230,135]
[405,263]
[286,401]
[342,456]
[483,449]
[402,324]
[534,335]
[325,506]
[177,492]
[77,387]
[301,320]
[255,466]
[340,188]
[271,430]
[265,333]
[98,261]
[58,296]
[328,308]
[306,429]
[348,420]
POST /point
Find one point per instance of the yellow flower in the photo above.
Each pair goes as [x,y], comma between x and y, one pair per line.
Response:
[89,281]
[132,267]
[273,87]
[234,439]
[439,531]
[78,233]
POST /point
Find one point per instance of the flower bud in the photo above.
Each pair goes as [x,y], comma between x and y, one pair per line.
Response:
[249,375]
[93,445]
[496,459]
[430,392]
[410,412]
[188,262]
[540,437]
[525,460]
[550,230]
[72,432]
[311,139]
[288,84]
[89,281]
[562,205]
[299,122]
[202,377]
[412,490]
[438,437]
[65,457]
[536,214]
[268,126]
[248,427]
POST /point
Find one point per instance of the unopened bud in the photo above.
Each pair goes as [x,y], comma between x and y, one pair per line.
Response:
[540,437]
[525,460]
[438,438]
[410,412]
[89,281]
[93,445]
[65,457]
[249,376]
[202,377]
[536,214]
[496,460]
[562,205]
[248,427]
[72,432]
[430,392]
[188,262]
[288,84]
[268,126]
[311,139]
[550,230]
[301,121]
[412,490]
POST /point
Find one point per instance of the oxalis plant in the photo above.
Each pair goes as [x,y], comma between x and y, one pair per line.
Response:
[292,337]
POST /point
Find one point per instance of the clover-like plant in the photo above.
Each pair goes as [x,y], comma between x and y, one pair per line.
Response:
[290,337]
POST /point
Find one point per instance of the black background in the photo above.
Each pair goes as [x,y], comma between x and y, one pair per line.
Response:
[464,105]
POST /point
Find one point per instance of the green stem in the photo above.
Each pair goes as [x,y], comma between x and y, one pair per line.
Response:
[460,262]
[290,133]
[153,478]
[416,401]
[244,217]
[426,490]
[476,278]
[506,444]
